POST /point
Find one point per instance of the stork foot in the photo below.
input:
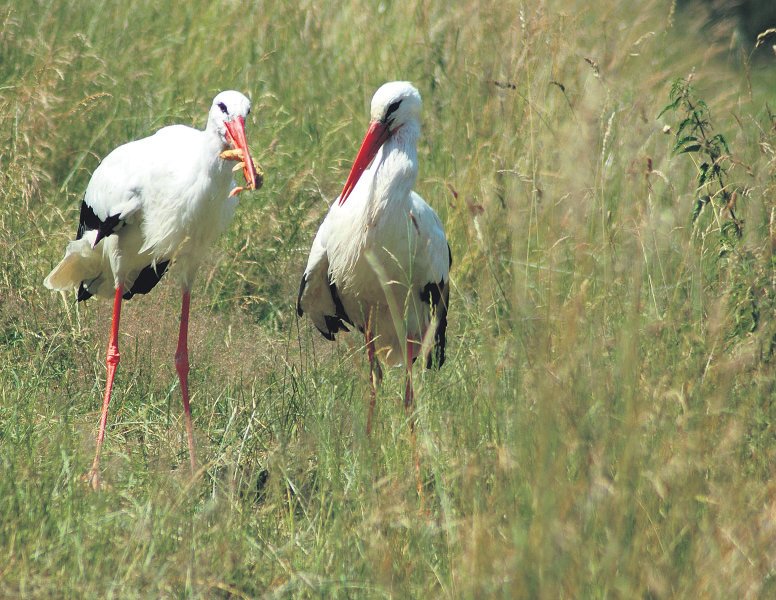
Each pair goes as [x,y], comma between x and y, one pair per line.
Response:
[93,479]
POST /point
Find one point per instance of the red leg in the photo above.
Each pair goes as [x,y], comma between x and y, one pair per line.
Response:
[370,352]
[409,395]
[409,403]
[182,366]
[112,361]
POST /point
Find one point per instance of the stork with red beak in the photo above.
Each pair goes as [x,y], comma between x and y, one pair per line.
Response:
[161,199]
[380,260]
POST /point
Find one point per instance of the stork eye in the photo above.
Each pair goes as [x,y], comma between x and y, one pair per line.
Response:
[222,106]
[392,107]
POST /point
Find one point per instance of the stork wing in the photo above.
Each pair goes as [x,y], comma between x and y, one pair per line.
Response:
[318,293]
[115,191]
[433,271]
[153,169]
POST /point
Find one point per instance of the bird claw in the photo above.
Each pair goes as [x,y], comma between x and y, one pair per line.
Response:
[259,175]
[240,188]
[93,480]
[237,155]
[232,154]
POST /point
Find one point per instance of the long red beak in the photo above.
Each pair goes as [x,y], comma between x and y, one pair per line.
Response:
[375,137]
[235,133]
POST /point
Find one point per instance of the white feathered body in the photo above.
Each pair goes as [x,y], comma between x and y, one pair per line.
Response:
[380,249]
[171,193]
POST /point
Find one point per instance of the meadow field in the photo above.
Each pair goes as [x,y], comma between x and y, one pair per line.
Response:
[605,424]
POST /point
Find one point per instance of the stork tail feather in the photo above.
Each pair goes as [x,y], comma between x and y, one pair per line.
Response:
[81,262]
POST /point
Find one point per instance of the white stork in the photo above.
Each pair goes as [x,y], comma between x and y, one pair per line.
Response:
[380,260]
[162,198]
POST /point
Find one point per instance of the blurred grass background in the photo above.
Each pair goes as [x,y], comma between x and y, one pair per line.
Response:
[604,425]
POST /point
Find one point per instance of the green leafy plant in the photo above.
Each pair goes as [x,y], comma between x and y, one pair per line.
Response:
[695,135]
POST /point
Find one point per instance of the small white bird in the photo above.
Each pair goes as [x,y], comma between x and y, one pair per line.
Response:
[162,198]
[380,260]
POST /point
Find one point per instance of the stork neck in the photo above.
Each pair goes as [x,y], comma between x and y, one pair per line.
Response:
[395,169]
[217,138]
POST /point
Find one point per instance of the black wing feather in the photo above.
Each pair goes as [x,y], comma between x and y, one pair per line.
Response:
[437,295]
[302,286]
[83,293]
[88,220]
[334,323]
[147,279]
[144,283]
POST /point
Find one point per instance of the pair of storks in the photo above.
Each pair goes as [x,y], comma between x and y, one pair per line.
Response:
[379,262]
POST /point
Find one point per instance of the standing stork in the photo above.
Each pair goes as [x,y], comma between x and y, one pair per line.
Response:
[380,260]
[162,198]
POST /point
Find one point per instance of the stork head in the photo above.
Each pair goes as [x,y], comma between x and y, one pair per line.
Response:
[227,117]
[394,105]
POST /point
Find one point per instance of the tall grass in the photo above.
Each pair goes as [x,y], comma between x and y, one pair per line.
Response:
[604,425]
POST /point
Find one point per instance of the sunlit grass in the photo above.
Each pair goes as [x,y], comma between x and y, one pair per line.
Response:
[604,425]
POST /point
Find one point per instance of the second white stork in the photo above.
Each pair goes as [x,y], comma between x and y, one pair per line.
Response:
[164,198]
[380,260]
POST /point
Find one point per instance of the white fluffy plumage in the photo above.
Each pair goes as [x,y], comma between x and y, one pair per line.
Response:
[170,195]
[383,245]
